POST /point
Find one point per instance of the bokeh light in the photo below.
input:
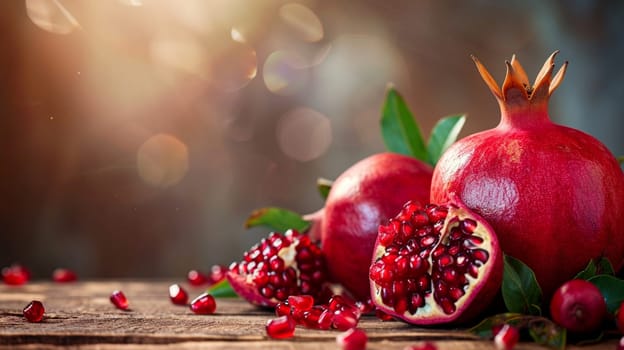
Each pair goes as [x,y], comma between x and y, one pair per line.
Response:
[284,72]
[162,160]
[304,134]
[51,15]
[302,21]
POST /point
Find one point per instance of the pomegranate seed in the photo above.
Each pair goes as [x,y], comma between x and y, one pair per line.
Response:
[204,304]
[282,309]
[383,316]
[282,327]
[353,339]
[325,320]
[345,319]
[301,302]
[119,300]
[61,275]
[506,338]
[620,345]
[424,346]
[34,311]
[15,275]
[177,294]
[217,273]
[196,278]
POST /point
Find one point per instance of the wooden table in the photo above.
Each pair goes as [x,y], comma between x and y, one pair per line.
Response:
[80,316]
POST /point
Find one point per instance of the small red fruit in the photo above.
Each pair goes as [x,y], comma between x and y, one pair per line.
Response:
[579,306]
[177,294]
[620,345]
[282,327]
[507,337]
[119,300]
[204,304]
[196,278]
[62,275]
[34,311]
[352,339]
[301,302]
[217,273]
[15,275]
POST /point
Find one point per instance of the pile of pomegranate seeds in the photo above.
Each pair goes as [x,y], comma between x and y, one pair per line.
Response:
[340,313]
[352,339]
[204,304]
[62,275]
[34,311]
[15,275]
[282,327]
[177,294]
[119,300]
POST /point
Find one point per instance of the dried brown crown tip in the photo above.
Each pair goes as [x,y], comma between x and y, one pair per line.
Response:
[516,83]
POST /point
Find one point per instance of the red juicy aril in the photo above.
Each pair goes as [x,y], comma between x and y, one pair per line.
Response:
[34,311]
[279,266]
[363,197]
[15,275]
[435,264]
[552,193]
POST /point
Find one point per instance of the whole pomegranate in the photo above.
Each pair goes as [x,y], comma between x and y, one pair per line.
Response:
[364,196]
[553,194]
[435,264]
[578,306]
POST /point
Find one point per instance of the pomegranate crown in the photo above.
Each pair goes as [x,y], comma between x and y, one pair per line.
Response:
[516,88]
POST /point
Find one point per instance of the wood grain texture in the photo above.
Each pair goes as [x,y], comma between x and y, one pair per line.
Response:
[80,316]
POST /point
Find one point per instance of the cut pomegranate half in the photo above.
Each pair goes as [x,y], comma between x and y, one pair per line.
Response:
[435,264]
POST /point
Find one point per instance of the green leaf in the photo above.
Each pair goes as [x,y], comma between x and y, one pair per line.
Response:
[277,219]
[612,289]
[443,135]
[222,289]
[521,292]
[599,266]
[399,130]
[546,332]
[324,185]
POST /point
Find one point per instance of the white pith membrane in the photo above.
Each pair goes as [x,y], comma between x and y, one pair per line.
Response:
[432,308]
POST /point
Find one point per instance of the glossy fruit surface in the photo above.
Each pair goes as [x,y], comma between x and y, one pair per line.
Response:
[553,194]
[282,327]
[118,298]
[15,275]
[435,264]
[177,294]
[506,337]
[62,275]
[578,306]
[204,304]
[352,339]
[34,311]
[279,266]
[363,197]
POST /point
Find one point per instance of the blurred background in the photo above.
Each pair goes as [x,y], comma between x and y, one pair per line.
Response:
[137,135]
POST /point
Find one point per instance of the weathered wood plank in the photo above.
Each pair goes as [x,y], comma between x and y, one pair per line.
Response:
[80,315]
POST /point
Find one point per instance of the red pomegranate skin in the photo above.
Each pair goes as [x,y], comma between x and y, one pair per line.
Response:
[363,197]
[553,194]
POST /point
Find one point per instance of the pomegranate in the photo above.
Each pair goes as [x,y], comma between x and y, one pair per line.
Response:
[278,267]
[435,264]
[579,306]
[553,194]
[34,311]
[361,198]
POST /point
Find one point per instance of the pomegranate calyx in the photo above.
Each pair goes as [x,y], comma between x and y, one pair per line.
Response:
[516,90]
